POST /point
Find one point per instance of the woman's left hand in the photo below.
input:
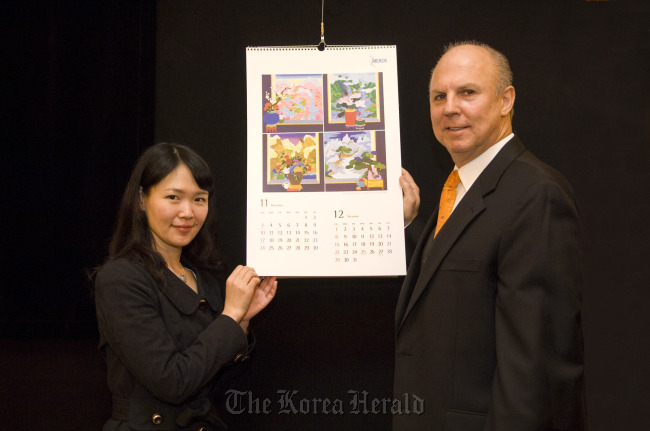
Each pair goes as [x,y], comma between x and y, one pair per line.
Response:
[263,295]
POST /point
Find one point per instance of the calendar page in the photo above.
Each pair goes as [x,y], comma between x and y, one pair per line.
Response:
[323,162]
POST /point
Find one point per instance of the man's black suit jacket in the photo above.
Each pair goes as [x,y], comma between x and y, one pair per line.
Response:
[488,329]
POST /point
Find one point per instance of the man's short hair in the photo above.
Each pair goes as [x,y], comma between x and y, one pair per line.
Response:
[504,73]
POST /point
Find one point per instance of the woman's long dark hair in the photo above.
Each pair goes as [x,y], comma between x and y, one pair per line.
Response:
[132,236]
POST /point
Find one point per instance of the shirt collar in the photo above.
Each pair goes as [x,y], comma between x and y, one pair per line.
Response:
[471,171]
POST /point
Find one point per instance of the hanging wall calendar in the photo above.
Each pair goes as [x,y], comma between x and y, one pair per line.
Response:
[323,162]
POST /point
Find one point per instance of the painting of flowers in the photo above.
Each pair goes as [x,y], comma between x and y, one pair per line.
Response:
[293,160]
[353,99]
[292,99]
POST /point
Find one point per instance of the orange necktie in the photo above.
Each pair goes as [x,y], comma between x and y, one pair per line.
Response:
[447,199]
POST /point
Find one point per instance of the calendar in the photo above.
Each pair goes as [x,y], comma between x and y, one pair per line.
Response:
[323,162]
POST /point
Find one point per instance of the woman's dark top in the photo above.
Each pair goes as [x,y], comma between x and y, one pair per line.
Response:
[163,345]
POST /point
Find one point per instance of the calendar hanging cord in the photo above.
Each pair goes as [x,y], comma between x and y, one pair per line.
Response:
[321,45]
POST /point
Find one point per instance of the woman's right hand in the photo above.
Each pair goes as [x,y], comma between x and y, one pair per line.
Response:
[240,287]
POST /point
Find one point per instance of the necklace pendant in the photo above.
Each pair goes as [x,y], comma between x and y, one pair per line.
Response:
[182,277]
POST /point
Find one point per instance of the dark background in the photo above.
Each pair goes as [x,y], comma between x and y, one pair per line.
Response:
[87,86]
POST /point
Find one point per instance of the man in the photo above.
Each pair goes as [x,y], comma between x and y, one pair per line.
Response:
[488,328]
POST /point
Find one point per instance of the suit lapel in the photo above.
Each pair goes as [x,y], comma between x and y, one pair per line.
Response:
[469,208]
[471,205]
[414,269]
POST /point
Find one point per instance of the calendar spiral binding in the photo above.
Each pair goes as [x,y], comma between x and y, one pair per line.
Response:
[315,47]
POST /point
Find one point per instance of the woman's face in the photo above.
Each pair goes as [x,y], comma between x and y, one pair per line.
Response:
[176,209]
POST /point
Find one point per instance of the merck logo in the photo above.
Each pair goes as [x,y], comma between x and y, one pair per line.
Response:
[374,61]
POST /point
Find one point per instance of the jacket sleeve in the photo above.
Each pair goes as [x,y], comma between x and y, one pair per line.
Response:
[539,371]
[129,320]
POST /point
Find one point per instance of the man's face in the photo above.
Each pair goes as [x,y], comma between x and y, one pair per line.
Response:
[467,115]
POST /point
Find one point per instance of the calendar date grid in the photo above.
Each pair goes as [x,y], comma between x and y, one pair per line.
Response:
[355,240]
[288,231]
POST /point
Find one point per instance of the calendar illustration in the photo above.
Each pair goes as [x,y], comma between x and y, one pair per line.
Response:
[323,162]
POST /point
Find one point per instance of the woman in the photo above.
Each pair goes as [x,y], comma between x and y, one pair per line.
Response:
[165,329]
